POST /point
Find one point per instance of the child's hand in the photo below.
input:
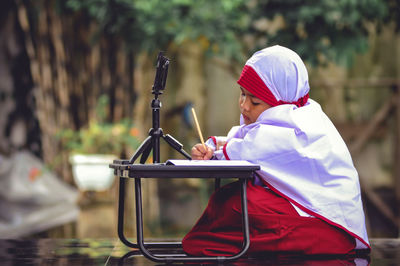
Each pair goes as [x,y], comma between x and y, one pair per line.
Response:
[199,153]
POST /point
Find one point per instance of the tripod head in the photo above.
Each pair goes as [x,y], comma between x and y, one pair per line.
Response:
[161,74]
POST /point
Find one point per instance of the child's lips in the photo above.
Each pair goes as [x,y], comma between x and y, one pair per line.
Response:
[245,117]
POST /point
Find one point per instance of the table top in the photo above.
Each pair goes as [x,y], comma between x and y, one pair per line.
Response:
[122,168]
[113,252]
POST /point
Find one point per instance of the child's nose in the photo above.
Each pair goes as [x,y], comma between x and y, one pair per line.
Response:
[244,103]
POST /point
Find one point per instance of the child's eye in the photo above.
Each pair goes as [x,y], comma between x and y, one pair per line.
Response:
[254,103]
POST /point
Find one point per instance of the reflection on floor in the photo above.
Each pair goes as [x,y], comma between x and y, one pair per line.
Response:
[113,252]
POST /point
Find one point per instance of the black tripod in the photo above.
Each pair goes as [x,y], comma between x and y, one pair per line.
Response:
[152,142]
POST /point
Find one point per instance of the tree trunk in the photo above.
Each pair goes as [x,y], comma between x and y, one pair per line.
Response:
[70,72]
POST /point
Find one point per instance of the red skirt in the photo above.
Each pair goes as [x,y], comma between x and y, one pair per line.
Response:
[275,226]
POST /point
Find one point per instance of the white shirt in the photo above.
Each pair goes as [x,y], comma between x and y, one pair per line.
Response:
[303,158]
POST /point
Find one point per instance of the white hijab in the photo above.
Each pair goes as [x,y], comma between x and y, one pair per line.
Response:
[276,75]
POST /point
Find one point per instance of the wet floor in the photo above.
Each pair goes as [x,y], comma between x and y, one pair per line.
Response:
[113,252]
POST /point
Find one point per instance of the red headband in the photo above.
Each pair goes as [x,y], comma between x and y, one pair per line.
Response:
[251,81]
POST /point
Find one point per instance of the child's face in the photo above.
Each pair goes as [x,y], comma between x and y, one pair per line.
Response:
[250,106]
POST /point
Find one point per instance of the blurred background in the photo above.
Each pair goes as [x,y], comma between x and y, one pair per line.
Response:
[76,79]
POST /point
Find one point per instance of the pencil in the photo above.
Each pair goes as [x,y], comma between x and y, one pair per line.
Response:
[198,128]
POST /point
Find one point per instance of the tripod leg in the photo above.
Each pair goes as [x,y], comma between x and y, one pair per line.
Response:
[184,153]
[176,145]
[145,144]
[146,153]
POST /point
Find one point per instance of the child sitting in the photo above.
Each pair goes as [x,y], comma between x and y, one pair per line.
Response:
[306,197]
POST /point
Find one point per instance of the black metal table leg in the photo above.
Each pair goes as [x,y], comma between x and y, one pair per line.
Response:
[121,210]
[176,258]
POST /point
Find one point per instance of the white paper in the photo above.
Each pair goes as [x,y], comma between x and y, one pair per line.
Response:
[210,162]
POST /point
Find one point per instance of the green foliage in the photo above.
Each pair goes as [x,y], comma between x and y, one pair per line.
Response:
[152,25]
[394,13]
[100,136]
[319,30]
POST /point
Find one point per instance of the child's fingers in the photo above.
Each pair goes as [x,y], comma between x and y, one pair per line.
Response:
[202,148]
[198,149]
[199,153]
[208,154]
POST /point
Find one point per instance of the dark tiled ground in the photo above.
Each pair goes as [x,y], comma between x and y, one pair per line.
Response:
[113,252]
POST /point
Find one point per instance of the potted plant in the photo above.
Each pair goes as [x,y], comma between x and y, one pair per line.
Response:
[94,147]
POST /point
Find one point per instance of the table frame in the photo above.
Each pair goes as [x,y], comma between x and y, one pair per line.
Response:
[125,170]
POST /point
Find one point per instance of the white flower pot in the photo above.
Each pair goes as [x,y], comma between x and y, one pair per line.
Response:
[91,172]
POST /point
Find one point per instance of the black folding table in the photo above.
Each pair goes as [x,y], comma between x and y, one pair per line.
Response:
[124,169]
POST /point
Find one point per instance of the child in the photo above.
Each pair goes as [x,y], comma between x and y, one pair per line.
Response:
[306,197]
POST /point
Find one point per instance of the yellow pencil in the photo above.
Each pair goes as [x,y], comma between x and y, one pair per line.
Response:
[198,128]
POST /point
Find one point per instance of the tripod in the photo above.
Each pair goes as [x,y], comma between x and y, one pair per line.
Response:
[152,142]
